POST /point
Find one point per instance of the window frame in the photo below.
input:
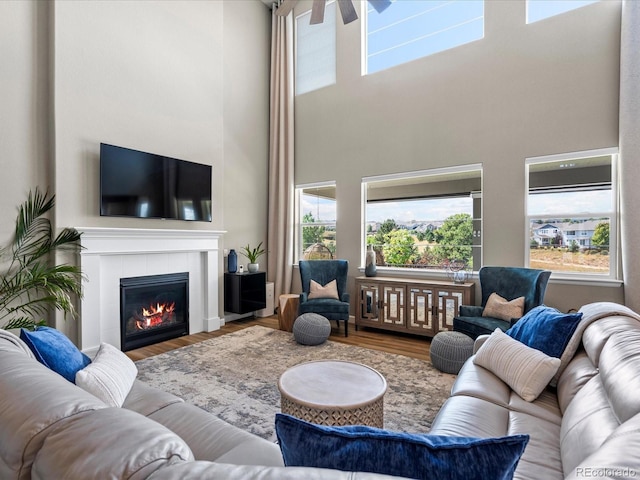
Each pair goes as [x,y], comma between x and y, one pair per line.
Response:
[614,215]
[298,251]
[408,271]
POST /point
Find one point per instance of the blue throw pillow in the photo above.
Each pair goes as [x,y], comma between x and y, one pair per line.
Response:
[546,329]
[54,350]
[369,449]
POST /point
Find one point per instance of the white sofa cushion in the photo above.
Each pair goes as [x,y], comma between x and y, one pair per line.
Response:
[526,370]
[109,377]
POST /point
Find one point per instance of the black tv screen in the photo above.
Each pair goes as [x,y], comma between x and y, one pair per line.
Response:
[146,185]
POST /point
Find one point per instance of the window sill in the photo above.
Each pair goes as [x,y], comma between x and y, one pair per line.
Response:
[558,278]
[416,273]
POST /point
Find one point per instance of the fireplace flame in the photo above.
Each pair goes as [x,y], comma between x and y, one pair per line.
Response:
[155,315]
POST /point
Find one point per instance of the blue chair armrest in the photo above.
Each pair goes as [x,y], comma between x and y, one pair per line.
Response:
[470,311]
[303,297]
[346,297]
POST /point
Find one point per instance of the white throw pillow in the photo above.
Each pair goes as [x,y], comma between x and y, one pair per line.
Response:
[109,376]
[330,290]
[526,370]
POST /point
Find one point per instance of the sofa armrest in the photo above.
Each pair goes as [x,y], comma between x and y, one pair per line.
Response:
[345,297]
[479,342]
[470,311]
[304,297]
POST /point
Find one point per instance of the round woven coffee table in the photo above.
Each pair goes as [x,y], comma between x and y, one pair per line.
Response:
[333,392]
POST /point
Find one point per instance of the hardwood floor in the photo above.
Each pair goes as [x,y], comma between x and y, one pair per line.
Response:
[392,342]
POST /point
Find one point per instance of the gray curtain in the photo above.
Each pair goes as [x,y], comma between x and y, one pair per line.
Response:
[280,227]
[630,150]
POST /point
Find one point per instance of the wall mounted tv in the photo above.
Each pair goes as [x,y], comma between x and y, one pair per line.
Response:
[145,185]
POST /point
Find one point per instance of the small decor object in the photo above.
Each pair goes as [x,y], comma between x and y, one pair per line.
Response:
[456,271]
[232,261]
[311,329]
[370,268]
[449,351]
[253,254]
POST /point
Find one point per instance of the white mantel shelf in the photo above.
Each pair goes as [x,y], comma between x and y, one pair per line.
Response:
[109,254]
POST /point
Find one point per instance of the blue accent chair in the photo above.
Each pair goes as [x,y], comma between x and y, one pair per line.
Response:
[509,283]
[323,272]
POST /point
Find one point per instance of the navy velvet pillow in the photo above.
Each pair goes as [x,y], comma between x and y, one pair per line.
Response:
[368,449]
[54,350]
[546,329]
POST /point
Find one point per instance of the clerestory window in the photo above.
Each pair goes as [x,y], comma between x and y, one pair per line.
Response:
[408,30]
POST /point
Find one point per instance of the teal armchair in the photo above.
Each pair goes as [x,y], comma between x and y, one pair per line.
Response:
[509,283]
[323,272]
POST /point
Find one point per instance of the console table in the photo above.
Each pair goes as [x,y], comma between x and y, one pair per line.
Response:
[422,307]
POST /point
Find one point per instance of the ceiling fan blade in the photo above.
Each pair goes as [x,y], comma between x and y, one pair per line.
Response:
[380,5]
[317,12]
[348,11]
[285,7]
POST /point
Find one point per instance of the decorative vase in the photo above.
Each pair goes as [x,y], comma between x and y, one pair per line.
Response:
[370,268]
[253,267]
[232,261]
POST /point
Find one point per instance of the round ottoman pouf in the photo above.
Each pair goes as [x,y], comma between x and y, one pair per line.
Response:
[311,329]
[449,350]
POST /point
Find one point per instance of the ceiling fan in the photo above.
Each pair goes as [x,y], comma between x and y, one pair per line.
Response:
[347,9]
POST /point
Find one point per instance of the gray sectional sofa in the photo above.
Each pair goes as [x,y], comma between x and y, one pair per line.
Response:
[589,427]
[52,429]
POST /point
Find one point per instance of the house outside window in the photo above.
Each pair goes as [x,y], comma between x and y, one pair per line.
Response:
[316,210]
[424,221]
[315,51]
[408,30]
[541,9]
[571,213]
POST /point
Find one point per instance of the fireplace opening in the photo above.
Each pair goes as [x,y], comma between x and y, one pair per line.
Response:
[153,309]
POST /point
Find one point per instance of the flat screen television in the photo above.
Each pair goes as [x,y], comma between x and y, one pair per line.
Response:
[146,185]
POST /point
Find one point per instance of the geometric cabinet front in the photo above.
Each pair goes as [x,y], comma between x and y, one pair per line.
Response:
[422,307]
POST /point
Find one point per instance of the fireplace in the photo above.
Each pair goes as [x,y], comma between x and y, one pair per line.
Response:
[153,309]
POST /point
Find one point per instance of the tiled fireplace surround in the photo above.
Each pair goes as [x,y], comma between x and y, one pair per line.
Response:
[113,253]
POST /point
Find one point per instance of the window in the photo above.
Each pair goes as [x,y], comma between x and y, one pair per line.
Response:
[406,31]
[316,51]
[425,220]
[316,221]
[541,9]
[571,211]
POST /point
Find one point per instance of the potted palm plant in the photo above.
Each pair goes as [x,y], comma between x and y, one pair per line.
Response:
[253,254]
[31,284]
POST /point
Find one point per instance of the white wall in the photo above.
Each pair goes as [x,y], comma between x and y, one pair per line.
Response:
[24,149]
[184,78]
[141,74]
[246,124]
[522,91]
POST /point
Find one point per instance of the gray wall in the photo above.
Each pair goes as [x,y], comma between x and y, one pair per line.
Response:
[186,79]
[522,91]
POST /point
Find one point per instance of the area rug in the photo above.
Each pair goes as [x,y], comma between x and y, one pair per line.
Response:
[235,377]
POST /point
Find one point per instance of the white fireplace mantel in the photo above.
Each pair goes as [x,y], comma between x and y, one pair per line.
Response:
[109,254]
